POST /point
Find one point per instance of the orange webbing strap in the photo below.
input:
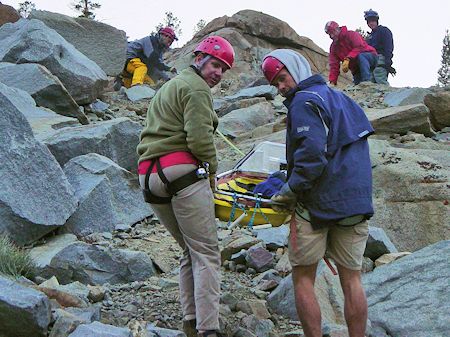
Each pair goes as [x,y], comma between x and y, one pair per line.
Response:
[293,239]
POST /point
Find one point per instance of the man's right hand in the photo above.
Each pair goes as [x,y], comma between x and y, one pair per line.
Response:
[284,200]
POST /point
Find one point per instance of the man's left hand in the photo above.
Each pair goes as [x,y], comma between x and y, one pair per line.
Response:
[345,64]
[285,199]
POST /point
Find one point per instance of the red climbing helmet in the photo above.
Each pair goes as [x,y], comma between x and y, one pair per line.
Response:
[169,32]
[331,26]
[271,66]
[217,47]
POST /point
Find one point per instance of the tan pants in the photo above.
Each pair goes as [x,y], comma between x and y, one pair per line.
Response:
[191,221]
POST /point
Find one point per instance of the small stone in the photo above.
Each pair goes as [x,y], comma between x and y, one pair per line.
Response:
[250,271]
[240,268]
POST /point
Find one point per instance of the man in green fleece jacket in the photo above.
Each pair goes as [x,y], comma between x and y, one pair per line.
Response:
[178,137]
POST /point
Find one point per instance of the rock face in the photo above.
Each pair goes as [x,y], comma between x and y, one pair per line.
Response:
[439,105]
[409,297]
[96,181]
[31,41]
[8,14]
[246,119]
[103,44]
[23,311]
[116,139]
[254,34]
[35,196]
[46,89]
[410,193]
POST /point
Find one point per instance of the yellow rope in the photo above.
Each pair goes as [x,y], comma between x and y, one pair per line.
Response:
[230,143]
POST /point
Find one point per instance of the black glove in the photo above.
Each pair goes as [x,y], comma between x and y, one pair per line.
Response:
[392,71]
[285,199]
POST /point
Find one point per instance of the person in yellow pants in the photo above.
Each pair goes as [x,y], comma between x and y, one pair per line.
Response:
[144,59]
[138,73]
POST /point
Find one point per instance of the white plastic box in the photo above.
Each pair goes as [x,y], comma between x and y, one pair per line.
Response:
[266,157]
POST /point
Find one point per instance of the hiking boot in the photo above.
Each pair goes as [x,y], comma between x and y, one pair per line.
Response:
[118,83]
[189,328]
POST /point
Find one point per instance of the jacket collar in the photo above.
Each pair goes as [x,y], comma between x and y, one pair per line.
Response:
[309,82]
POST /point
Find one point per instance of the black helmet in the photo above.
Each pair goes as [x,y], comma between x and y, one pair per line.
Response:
[371,14]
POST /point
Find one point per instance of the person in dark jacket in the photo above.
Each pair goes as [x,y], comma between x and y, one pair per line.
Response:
[381,39]
[355,54]
[144,59]
[329,186]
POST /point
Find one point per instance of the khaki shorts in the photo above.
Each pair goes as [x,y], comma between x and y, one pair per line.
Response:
[344,244]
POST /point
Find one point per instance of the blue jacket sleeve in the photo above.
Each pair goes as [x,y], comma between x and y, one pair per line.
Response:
[388,46]
[307,141]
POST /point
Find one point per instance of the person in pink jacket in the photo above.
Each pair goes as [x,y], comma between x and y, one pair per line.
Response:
[355,54]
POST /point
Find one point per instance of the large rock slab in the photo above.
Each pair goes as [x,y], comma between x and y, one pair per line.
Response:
[409,297]
[116,139]
[42,255]
[23,311]
[96,181]
[42,121]
[406,96]
[401,120]
[35,196]
[410,194]
[246,119]
[102,43]
[138,92]
[93,264]
[223,107]
[97,329]
[328,292]
[31,41]
[46,89]
[439,105]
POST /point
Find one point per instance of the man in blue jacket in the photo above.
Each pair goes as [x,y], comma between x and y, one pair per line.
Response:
[329,185]
[381,39]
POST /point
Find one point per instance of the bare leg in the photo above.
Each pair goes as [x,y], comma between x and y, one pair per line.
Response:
[305,299]
[355,304]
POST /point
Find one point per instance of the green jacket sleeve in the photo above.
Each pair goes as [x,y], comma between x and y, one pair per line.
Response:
[200,122]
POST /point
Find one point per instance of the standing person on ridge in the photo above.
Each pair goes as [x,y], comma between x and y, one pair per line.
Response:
[381,39]
[175,153]
[329,185]
[355,54]
[144,59]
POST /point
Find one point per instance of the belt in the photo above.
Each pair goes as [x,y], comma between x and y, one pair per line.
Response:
[350,221]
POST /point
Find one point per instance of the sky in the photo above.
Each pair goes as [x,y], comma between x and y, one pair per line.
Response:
[418,27]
